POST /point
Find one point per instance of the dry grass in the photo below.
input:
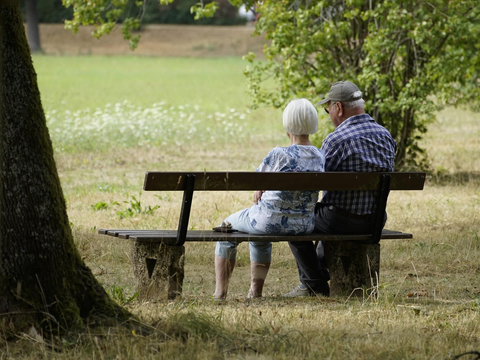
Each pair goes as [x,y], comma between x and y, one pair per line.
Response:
[429,302]
[157,40]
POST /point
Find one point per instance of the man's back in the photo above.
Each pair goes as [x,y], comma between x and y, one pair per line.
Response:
[358,144]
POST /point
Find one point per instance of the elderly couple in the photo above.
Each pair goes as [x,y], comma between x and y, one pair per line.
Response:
[357,144]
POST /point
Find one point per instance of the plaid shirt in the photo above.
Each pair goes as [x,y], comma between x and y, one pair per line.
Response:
[358,144]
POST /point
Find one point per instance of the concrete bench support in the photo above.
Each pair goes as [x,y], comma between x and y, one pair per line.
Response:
[158,270]
[354,268]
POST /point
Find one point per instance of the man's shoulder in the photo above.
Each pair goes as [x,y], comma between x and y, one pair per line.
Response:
[360,125]
[354,130]
[348,129]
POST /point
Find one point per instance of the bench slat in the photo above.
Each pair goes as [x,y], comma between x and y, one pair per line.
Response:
[224,181]
[169,236]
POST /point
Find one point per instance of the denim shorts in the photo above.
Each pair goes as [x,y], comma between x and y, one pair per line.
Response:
[260,252]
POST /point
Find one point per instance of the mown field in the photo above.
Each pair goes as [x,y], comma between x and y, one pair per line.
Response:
[113,118]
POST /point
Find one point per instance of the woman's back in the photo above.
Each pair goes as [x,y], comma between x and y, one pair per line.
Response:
[288,212]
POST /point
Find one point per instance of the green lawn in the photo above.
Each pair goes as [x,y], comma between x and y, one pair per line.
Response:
[76,83]
[98,103]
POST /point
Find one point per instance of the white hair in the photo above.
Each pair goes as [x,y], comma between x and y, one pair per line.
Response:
[360,103]
[300,117]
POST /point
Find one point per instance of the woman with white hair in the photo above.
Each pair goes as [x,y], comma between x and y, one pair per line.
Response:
[275,212]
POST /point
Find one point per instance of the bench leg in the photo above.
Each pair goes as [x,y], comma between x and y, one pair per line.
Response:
[158,270]
[354,268]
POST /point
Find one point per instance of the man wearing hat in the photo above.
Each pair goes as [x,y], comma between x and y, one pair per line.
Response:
[357,144]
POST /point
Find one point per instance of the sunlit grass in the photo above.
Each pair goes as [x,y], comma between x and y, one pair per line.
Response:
[126,125]
[453,141]
[80,82]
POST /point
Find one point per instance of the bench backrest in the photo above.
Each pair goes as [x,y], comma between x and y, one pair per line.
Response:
[188,182]
[236,181]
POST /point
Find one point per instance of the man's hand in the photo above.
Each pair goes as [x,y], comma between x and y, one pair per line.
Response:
[257,196]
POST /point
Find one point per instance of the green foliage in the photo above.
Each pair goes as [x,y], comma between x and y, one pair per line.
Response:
[135,208]
[106,14]
[180,12]
[408,57]
[121,295]
[204,10]
[325,127]
[152,12]
[99,206]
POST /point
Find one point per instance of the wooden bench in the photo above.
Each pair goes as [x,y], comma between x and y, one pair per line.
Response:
[353,260]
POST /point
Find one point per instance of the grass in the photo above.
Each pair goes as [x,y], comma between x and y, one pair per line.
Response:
[429,296]
[126,125]
[77,83]
[146,101]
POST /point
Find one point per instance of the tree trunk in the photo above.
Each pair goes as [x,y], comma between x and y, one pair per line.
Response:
[42,276]
[33,31]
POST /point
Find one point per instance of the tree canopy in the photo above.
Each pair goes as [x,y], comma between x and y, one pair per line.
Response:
[177,12]
[409,57]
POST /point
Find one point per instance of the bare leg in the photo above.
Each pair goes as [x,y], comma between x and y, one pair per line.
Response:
[223,271]
[259,273]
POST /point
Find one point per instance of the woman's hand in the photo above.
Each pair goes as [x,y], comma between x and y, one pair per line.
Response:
[257,196]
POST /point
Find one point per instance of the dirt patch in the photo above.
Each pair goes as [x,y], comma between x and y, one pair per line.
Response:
[157,40]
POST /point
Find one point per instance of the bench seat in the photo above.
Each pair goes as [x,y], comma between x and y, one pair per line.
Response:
[169,236]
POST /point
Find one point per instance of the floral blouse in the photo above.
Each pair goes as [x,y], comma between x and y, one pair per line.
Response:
[288,212]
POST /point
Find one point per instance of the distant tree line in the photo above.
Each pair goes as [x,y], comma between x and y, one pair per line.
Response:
[178,12]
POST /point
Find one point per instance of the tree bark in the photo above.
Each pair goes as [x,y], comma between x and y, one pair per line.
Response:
[33,31]
[42,276]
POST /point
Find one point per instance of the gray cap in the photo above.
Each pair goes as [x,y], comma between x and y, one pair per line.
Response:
[342,91]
